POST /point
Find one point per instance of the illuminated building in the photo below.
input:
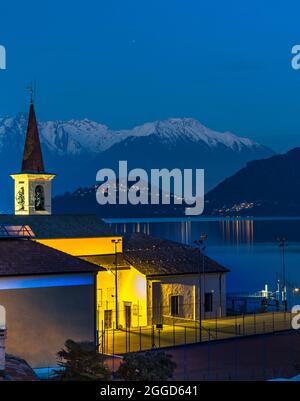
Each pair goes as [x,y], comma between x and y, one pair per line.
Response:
[49,296]
[32,184]
[158,281]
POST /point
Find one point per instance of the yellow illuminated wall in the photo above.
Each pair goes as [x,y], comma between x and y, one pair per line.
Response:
[132,285]
[132,293]
[83,246]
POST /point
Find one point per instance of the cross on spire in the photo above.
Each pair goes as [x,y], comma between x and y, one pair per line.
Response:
[31,92]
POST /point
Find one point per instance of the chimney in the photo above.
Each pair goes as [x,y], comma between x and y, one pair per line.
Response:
[2,338]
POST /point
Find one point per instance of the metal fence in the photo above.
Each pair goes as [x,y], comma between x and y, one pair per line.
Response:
[183,332]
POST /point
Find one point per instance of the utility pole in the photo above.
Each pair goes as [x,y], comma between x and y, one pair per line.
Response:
[116,242]
[201,244]
[282,243]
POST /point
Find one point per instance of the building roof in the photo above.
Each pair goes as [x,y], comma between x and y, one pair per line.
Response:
[156,257]
[17,369]
[108,262]
[28,257]
[60,226]
[32,156]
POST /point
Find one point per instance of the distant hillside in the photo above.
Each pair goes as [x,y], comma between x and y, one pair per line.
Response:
[83,200]
[264,187]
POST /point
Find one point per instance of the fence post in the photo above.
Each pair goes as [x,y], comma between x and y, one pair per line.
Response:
[140,338]
[173,332]
[184,355]
[113,351]
[243,324]
[107,341]
[273,321]
[235,323]
[128,338]
[153,338]
[254,322]
[216,324]
[102,337]
[159,338]
[208,355]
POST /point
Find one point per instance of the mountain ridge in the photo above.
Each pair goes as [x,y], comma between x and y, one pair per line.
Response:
[263,187]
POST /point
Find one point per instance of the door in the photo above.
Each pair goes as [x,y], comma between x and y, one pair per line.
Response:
[128,315]
[108,319]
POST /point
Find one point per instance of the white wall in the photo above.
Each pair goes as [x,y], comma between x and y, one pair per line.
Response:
[187,287]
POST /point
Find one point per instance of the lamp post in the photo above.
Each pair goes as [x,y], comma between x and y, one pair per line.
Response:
[116,242]
[282,243]
[201,244]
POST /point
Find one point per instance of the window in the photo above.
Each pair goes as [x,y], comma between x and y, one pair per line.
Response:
[99,297]
[39,198]
[174,303]
[208,302]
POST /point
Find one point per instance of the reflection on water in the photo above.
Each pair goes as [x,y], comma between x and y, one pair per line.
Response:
[248,247]
[237,231]
[229,231]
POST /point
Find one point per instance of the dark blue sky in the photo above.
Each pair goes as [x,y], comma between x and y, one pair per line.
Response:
[125,62]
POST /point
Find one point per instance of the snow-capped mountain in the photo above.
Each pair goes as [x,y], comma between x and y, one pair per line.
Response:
[188,129]
[76,137]
[77,149]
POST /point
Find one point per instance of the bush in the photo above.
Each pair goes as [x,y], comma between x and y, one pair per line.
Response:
[81,362]
[148,366]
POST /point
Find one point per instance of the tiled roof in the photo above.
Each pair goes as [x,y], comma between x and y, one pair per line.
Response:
[27,257]
[108,261]
[155,257]
[60,226]
[17,369]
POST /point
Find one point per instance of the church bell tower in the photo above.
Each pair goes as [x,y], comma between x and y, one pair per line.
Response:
[32,184]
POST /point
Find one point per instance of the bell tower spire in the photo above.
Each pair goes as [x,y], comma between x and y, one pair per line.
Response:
[32,156]
[32,184]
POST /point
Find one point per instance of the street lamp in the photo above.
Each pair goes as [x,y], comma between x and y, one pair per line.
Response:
[201,244]
[116,242]
[283,244]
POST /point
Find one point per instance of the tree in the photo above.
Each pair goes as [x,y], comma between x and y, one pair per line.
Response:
[148,366]
[80,361]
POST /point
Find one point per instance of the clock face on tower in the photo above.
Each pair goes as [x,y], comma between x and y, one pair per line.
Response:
[20,198]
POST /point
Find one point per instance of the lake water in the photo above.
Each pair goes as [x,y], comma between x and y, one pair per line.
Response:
[247,246]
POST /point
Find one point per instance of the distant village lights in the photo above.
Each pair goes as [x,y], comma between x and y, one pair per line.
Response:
[2,58]
[164,185]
